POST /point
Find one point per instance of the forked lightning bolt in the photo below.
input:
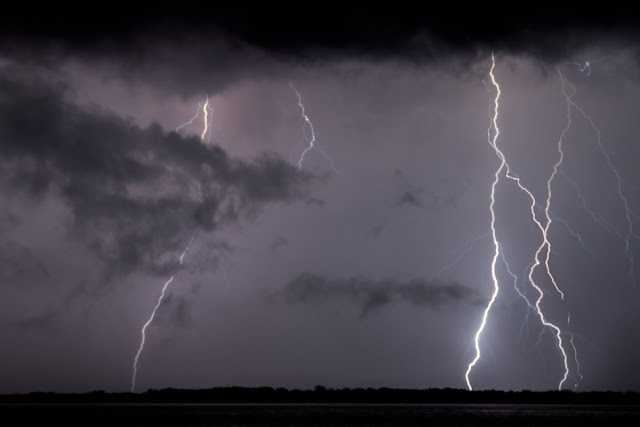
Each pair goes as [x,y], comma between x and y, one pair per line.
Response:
[594,216]
[206,109]
[545,233]
[312,142]
[625,201]
[498,247]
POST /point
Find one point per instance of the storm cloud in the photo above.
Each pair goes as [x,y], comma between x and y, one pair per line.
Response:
[132,191]
[372,295]
[216,46]
[101,189]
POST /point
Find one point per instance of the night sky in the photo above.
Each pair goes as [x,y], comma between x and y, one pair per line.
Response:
[367,267]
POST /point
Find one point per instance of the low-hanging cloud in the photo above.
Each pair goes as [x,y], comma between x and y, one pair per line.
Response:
[132,192]
[370,295]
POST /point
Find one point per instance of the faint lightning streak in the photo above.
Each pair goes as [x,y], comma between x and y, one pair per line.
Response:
[466,247]
[594,216]
[575,354]
[569,229]
[587,65]
[153,314]
[312,145]
[545,233]
[190,122]
[628,213]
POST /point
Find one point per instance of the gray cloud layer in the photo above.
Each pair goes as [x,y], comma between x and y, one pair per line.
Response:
[370,295]
[132,192]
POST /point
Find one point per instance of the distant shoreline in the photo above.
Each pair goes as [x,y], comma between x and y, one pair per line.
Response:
[323,395]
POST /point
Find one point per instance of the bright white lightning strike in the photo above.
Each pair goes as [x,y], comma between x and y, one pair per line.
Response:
[153,314]
[496,244]
[496,286]
[536,263]
[312,145]
[206,109]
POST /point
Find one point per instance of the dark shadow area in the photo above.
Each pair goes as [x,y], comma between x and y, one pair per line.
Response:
[266,406]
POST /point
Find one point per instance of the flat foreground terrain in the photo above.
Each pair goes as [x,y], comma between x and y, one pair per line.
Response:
[325,414]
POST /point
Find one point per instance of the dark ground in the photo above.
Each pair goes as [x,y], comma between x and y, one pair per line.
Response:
[197,415]
[346,407]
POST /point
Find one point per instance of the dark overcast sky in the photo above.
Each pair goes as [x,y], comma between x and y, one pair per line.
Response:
[369,270]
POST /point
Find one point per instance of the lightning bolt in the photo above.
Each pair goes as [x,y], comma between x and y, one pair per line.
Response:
[594,216]
[207,123]
[496,244]
[587,65]
[312,144]
[630,233]
[575,354]
[497,252]
[517,288]
[545,231]
[546,244]
[153,314]
[206,109]
[466,247]
[570,230]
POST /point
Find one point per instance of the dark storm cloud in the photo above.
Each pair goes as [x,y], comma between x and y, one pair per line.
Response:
[133,192]
[330,29]
[370,295]
[195,48]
